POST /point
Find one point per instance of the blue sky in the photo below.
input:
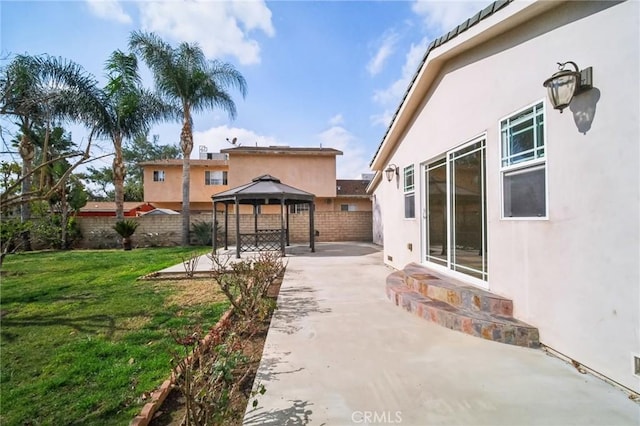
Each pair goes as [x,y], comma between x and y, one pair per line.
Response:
[328,73]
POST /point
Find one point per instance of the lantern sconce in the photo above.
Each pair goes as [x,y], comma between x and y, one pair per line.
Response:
[391,171]
[566,83]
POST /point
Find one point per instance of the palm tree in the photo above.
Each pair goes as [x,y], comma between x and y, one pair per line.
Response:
[197,84]
[129,111]
[36,90]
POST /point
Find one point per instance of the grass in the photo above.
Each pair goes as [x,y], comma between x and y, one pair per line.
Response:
[82,340]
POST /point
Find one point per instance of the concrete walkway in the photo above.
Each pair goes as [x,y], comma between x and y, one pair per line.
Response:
[339,353]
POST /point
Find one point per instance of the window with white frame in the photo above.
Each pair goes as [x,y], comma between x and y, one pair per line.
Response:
[347,207]
[523,164]
[409,193]
[298,208]
[158,175]
[215,177]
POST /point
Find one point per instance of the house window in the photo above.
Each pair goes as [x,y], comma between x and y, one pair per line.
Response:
[215,177]
[298,208]
[347,208]
[158,175]
[409,194]
[523,164]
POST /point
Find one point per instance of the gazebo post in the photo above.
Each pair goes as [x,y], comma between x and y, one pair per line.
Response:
[237,228]
[287,229]
[226,226]
[215,228]
[312,232]
[282,226]
[255,218]
[262,189]
[255,224]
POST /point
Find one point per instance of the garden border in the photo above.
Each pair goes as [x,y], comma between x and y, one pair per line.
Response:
[159,395]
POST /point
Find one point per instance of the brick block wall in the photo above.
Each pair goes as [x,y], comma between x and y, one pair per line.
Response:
[330,226]
[165,230]
[154,230]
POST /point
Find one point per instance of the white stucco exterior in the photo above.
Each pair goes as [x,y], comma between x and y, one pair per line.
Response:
[575,274]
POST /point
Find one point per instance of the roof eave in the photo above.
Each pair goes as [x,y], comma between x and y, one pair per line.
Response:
[442,50]
[374,183]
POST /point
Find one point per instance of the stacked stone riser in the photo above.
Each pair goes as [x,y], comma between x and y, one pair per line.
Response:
[463,308]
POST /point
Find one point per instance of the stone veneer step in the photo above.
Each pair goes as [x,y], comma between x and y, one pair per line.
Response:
[457,306]
[438,287]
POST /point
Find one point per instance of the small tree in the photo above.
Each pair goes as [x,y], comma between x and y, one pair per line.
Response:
[126,228]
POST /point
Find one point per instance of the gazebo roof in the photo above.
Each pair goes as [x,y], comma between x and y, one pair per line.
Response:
[263,189]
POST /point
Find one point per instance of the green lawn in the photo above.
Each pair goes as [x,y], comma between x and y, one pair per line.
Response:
[82,340]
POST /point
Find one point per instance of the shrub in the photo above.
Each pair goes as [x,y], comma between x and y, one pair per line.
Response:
[203,232]
[126,228]
[246,282]
[47,232]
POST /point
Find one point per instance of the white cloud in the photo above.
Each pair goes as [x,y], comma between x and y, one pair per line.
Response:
[386,48]
[221,28]
[110,10]
[383,119]
[392,95]
[215,139]
[353,162]
[439,17]
[336,120]
[443,16]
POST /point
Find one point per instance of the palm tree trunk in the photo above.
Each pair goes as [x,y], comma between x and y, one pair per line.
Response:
[45,155]
[64,217]
[118,177]
[186,143]
[27,153]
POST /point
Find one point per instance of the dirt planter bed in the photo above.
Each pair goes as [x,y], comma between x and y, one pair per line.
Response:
[167,405]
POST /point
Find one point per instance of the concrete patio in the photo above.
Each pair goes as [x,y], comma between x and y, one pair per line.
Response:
[339,352]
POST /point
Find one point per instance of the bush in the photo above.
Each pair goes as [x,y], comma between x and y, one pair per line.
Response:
[47,232]
[126,228]
[212,371]
[203,232]
[246,282]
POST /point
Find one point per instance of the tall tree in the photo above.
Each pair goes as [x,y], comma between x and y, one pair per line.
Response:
[130,111]
[185,75]
[36,90]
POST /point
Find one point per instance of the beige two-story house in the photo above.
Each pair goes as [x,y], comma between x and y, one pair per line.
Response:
[309,169]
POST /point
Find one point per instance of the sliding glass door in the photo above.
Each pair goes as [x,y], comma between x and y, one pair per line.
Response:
[456,230]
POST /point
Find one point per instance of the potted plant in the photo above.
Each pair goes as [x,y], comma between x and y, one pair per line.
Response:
[126,228]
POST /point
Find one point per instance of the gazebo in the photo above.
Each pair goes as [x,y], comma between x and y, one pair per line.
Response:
[263,190]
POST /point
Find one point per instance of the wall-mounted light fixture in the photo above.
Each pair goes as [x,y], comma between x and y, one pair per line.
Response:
[391,171]
[564,84]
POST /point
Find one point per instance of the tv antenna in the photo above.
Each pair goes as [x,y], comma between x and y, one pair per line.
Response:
[234,142]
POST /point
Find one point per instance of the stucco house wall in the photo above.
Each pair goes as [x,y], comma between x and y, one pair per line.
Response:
[574,275]
[311,170]
[168,193]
